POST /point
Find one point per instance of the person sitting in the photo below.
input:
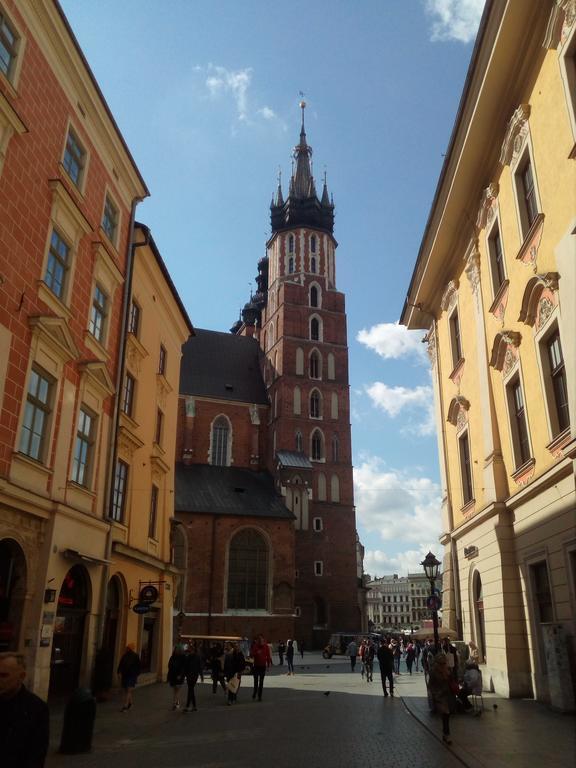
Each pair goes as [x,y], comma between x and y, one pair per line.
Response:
[471,684]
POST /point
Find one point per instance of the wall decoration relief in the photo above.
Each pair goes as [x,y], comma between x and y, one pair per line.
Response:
[472,267]
[450,296]
[505,351]
[528,253]
[562,17]
[498,306]
[488,206]
[458,412]
[516,133]
[537,288]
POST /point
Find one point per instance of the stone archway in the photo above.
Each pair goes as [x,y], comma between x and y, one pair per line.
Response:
[68,640]
[13,575]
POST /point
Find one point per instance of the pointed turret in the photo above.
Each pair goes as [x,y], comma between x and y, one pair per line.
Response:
[325,198]
[302,208]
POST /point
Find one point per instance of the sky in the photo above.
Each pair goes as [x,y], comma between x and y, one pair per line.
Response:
[206,95]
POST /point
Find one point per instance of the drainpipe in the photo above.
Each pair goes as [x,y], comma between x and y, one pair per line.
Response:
[112,448]
[210,585]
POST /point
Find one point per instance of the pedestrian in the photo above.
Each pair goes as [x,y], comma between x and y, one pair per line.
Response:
[442,696]
[281,652]
[473,652]
[451,658]
[410,656]
[361,655]
[176,674]
[417,652]
[234,664]
[301,647]
[368,658]
[129,669]
[24,718]
[260,652]
[192,671]
[290,656]
[352,652]
[216,661]
[386,663]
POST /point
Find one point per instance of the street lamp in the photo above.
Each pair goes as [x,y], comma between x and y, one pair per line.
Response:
[431,566]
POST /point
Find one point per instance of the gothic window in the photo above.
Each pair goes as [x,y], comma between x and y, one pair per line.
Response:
[313,264]
[335,488]
[298,441]
[314,296]
[315,405]
[315,329]
[331,366]
[317,445]
[291,243]
[321,487]
[291,265]
[334,408]
[315,365]
[248,571]
[299,361]
[220,438]
[335,448]
[297,401]
[270,335]
[313,244]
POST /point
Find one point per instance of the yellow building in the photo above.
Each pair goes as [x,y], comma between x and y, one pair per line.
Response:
[142,503]
[494,286]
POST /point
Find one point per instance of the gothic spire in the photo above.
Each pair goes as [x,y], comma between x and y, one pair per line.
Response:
[302,155]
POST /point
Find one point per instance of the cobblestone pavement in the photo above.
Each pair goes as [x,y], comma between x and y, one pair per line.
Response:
[296,725]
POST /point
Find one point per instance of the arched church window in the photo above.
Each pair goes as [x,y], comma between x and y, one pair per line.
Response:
[248,571]
[299,441]
[315,365]
[331,366]
[335,488]
[313,244]
[291,244]
[313,265]
[314,296]
[220,438]
[321,487]
[299,361]
[290,265]
[315,405]
[317,445]
[315,329]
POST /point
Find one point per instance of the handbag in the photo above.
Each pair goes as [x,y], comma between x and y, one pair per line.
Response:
[233,684]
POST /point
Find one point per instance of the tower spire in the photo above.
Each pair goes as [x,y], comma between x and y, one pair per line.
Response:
[302,155]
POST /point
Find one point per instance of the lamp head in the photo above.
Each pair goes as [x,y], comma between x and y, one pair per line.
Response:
[431,566]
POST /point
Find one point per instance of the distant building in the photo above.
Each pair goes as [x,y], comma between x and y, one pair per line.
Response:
[494,287]
[395,602]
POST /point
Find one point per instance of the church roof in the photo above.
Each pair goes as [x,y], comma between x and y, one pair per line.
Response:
[223,366]
[293,459]
[205,489]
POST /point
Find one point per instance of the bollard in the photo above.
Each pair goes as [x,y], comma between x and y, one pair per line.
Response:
[78,726]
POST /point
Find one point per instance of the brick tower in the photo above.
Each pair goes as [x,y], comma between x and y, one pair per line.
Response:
[304,342]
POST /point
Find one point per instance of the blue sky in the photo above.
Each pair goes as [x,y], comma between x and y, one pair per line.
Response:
[206,95]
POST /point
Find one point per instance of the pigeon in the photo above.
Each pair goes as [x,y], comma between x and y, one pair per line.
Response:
[326,693]
[494,706]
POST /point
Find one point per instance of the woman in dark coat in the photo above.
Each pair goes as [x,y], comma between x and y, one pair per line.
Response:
[176,674]
[129,669]
[442,696]
[192,670]
[234,664]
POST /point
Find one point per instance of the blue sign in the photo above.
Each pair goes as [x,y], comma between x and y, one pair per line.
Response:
[141,608]
[433,602]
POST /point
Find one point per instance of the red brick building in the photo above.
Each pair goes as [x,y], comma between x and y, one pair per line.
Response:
[265,490]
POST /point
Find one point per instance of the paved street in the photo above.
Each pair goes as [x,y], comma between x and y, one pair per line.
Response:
[298,725]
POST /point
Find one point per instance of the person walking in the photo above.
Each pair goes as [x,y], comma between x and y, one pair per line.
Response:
[192,671]
[176,674]
[281,652]
[397,653]
[417,652]
[442,696]
[386,663]
[368,659]
[260,652]
[24,718]
[410,656]
[234,664]
[129,669]
[352,652]
[216,661]
[290,656]
[301,647]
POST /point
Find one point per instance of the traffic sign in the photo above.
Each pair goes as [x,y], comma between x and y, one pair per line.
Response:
[433,602]
[148,594]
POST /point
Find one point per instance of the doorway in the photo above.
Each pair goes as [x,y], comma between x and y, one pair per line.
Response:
[12,593]
[68,640]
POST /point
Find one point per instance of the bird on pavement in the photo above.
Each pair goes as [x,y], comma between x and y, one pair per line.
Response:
[326,693]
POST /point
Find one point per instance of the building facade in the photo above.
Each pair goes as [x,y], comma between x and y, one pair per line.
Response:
[68,188]
[494,288]
[399,602]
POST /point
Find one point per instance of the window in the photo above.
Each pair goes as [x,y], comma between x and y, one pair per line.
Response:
[153,513]
[315,405]
[526,194]
[162,360]
[321,487]
[134,321]
[315,329]
[159,426]
[317,445]
[84,448]
[521,443]
[220,431]
[8,46]
[119,493]
[542,594]
[127,403]
[335,488]
[291,244]
[313,264]
[314,296]
[559,387]
[291,265]
[318,568]
[110,220]
[315,365]
[334,405]
[317,524]
[496,258]
[335,449]
[455,341]
[297,405]
[313,244]
[57,266]
[299,361]
[36,415]
[74,158]
[98,313]
[299,441]
[331,366]
[465,468]
[248,571]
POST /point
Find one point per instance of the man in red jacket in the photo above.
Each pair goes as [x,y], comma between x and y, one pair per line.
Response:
[260,652]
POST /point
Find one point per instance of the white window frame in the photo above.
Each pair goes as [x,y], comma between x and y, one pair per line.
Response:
[114,237]
[315,351]
[48,424]
[91,441]
[228,445]
[80,185]
[12,77]
[319,294]
[317,317]
[318,568]
[317,524]
[320,414]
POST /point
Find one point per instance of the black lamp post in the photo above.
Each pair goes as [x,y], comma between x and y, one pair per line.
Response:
[431,566]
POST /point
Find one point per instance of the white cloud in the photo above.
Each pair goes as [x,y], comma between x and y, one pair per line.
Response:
[393,341]
[395,400]
[267,113]
[396,505]
[236,83]
[380,563]
[454,19]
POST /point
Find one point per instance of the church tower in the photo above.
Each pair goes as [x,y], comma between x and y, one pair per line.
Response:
[304,343]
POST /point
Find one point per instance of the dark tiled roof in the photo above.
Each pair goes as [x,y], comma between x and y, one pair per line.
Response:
[222,365]
[293,459]
[227,491]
